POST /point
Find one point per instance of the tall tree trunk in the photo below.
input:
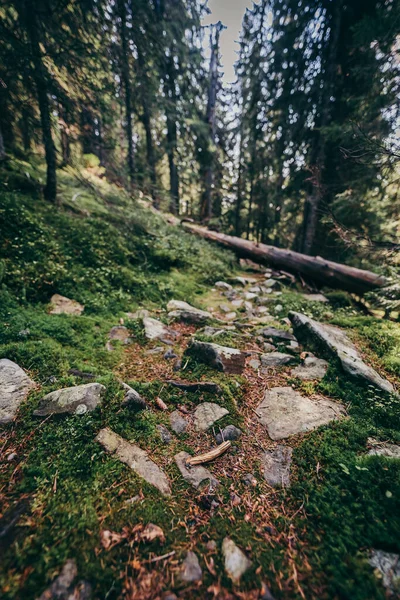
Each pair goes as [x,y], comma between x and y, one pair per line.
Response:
[239,195]
[40,77]
[315,198]
[2,148]
[206,205]
[127,87]
[172,134]
[64,136]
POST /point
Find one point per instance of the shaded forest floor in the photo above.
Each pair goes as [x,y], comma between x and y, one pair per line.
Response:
[61,495]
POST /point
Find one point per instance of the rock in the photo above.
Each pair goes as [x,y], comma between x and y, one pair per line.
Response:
[278,335]
[215,331]
[132,398]
[64,587]
[388,566]
[178,423]
[338,344]
[225,308]
[195,475]
[250,296]
[119,333]
[165,435]
[15,385]
[269,283]
[293,347]
[208,413]
[139,314]
[315,297]
[312,368]
[265,593]
[73,400]
[237,303]
[231,316]
[255,364]
[211,546]
[249,480]
[384,449]
[187,313]
[278,308]
[196,386]
[255,289]
[177,366]
[155,330]
[191,570]
[286,412]
[61,305]
[262,310]
[277,359]
[136,459]
[269,347]
[236,562]
[245,280]
[170,354]
[230,432]
[12,456]
[227,360]
[156,350]
[276,466]
[221,285]
[169,596]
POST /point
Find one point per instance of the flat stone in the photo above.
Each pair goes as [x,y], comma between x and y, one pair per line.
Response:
[312,368]
[255,364]
[155,330]
[230,432]
[165,435]
[384,449]
[278,335]
[387,564]
[119,333]
[277,359]
[315,297]
[236,562]
[132,398]
[336,342]
[269,347]
[249,480]
[269,283]
[215,331]
[136,459]
[237,303]
[196,386]
[250,296]
[196,474]
[141,313]
[255,289]
[225,308]
[286,412]
[227,360]
[178,423]
[231,316]
[208,413]
[62,305]
[73,400]
[222,285]
[15,385]
[187,313]
[170,354]
[191,570]
[245,280]
[156,350]
[276,466]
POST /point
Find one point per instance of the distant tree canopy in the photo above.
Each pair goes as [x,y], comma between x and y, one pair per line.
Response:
[291,154]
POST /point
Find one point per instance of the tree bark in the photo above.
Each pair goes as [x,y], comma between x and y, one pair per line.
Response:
[315,268]
[2,148]
[172,134]
[127,88]
[40,77]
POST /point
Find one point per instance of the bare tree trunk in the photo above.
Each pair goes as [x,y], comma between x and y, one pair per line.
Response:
[314,200]
[2,148]
[315,268]
[127,88]
[40,77]
[206,205]
[172,135]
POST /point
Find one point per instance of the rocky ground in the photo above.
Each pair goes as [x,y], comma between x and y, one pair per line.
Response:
[212,463]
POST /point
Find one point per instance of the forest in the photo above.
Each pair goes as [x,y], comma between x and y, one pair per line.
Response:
[199,300]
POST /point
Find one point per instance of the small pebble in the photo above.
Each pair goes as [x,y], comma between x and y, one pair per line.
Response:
[249,480]
[11,456]
[170,354]
[164,434]
[211,546]
[177,366]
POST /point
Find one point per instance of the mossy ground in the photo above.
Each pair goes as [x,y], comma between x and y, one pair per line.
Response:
[114,256]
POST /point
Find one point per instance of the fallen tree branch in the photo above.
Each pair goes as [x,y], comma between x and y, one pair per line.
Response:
[209,456]
[315,268]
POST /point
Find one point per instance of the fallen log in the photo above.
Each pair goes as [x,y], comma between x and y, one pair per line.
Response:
[315,268]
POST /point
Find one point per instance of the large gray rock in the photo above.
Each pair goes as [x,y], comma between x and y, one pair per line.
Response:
[178,423]
[136,459]
[132,398]
[388,566]
[277,359]
[286,412]
[62,305]
[191,570]
[196,474]
[384,449]
[208,413]
[155,330]
[187,313]
[227,360]
[312,368]
[230,432]
[276,466]
[73,400]
[14,388]
[336,342]
[235,561]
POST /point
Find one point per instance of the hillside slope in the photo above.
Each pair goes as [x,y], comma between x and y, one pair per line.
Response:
[72,494]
